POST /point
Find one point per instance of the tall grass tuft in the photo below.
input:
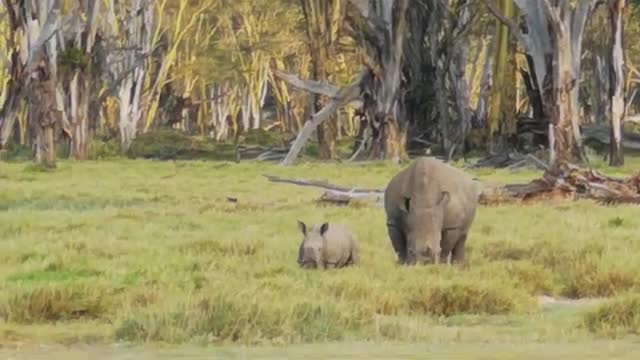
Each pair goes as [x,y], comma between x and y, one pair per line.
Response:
[615,317]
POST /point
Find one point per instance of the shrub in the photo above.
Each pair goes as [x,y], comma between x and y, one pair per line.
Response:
[15,153]
[534,278]
[588,279]
[53,303]
[455,297]
[245,319]
[263,137]
[169,144]
[101,149]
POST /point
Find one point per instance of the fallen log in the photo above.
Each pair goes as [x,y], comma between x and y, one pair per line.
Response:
[321,184]
[510,161]
[349,198]
[337,195]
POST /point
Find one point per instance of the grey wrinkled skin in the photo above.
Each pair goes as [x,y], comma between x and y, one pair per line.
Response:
[327,246]
[430,207]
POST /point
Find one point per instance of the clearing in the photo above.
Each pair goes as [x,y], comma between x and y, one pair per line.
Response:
[153,255]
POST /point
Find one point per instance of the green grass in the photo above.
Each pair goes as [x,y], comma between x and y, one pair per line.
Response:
[149,251]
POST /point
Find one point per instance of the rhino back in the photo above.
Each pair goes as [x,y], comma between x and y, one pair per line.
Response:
[396,190]
[463,190]
[425,180]
[339,241]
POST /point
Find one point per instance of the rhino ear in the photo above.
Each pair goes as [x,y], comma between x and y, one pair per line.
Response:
[444,198]
[405,204]
[302,227]
[323,228]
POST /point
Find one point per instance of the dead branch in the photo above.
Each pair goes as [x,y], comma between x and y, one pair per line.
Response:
[339,98]
[513,27]
[571,182]
[510,161]
[322,184]
[358,151]
[312,86]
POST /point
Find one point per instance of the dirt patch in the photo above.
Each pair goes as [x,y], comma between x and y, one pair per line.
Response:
[548,301]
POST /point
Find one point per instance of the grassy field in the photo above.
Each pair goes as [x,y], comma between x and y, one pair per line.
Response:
[151,252]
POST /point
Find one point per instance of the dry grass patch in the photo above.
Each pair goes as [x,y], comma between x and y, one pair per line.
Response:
[615,317]
[462,296]
[245,319]
[54,303]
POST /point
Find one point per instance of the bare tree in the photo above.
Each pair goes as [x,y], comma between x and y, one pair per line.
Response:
[616,81]
[77,81]
[553,45]
[130,26]
[380,26]
[323,19]
[44,116]
[33,72]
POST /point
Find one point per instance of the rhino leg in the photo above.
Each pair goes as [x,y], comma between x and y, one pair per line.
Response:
[458,252]
[446,244]
[398,241]
[444,257]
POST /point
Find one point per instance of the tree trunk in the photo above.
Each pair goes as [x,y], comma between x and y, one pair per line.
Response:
[501,70]
[14,90]
[616,76]
[322,30]
[79,90]
[561,111]
[47,147]
[44,115]
[461,92]
[385,49]
[326,133]
[480,112]
[600,94]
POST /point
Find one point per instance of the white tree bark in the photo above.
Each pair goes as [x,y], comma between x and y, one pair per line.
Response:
[617,107]
[220,99]
[137,21]
[246,108]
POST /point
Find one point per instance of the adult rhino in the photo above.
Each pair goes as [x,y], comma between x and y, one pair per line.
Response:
[430,207]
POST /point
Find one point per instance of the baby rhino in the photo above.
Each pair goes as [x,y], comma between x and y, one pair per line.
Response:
[327,246]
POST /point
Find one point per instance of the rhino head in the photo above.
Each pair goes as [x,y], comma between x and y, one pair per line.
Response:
[423,226]
[310,253]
